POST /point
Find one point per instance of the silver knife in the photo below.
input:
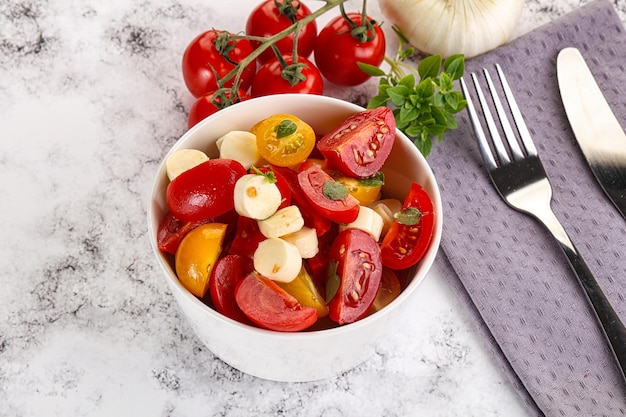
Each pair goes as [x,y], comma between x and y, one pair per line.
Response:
[599,134]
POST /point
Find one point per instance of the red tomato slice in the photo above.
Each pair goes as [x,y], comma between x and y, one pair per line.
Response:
[268,18]
[172,231]
[226,274]
[204,191]
[271,307]
[311,217]
[405,244]
[247,237]
[359,146]
[335,206]
[355,271]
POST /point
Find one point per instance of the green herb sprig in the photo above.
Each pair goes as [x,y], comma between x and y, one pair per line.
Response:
[424,101]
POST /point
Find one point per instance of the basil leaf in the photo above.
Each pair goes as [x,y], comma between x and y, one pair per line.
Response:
[285,128]
[335,191]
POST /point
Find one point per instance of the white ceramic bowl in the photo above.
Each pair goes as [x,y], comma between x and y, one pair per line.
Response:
[304,356]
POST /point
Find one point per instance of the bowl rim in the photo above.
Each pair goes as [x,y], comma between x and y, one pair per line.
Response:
[424,264]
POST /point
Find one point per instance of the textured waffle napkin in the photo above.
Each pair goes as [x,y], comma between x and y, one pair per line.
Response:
[504,265]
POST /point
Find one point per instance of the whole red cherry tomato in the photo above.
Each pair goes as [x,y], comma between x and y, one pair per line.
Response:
[330,198]
[411,232]
[271,307]
[354,275]
[225,275]
[338,48]
[273,16]
[359,146]
[204,191]
[205,105]
[211,53]
[269,79]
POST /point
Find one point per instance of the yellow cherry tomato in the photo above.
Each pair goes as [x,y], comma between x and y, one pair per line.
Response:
[366,190]
[196,255]
[284,140]
[389,289]
[303,289]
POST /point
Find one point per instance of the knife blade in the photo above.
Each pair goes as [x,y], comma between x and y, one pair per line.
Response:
[597,130]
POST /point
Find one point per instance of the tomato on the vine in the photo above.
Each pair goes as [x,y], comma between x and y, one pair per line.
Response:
[213,53]
[342,43]
[273,16]
[359,146]
[410,234]
[270,79]
[205,105]
[354,275]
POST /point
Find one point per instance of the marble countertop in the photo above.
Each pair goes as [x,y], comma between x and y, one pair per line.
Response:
[91,98]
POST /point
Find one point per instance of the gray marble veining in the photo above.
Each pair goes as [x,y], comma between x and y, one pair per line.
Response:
[91,97]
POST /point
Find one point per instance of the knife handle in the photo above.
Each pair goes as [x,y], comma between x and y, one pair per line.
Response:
[611,325]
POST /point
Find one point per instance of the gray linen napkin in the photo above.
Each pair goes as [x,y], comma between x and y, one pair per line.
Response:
[504,265]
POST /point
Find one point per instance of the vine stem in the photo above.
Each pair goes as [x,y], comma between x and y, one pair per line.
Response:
[271,40]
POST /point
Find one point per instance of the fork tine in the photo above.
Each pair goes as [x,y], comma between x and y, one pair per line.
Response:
[517,115]
[483,145]
[496,139]
[516,151]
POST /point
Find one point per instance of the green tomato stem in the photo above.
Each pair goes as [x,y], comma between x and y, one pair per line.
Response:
[271,40]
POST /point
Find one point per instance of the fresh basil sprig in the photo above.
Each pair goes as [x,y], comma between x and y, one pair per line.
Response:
[425,101]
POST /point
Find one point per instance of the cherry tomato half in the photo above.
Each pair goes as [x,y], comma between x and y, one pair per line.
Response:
[311,217]
[284,140]
[270,79]
[330,198]
[226,274]
[204,191]
[212,53]
[337,51]
[267,19]
[204,106]
[172,231]
[411,232]
[196,256]
[271,307]
[355,272]
[360,145]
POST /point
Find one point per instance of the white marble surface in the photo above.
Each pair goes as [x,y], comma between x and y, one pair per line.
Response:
[91,97]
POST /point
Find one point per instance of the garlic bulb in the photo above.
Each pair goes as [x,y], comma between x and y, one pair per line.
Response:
[448,27]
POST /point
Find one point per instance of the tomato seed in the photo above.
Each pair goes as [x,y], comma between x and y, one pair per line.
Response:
[354,295]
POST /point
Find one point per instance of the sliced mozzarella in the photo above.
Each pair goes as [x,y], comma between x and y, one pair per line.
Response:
[256,197]
[387,209]
[182,160]
[240,146]
[305,240]
[284,221]
[277,259]
[368,221]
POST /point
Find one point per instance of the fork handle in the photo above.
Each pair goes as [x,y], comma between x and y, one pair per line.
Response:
[611,325]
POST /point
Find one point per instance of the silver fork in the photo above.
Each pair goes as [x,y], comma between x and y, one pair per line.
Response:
[521,181]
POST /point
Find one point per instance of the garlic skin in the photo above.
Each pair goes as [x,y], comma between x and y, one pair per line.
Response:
[448,27]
